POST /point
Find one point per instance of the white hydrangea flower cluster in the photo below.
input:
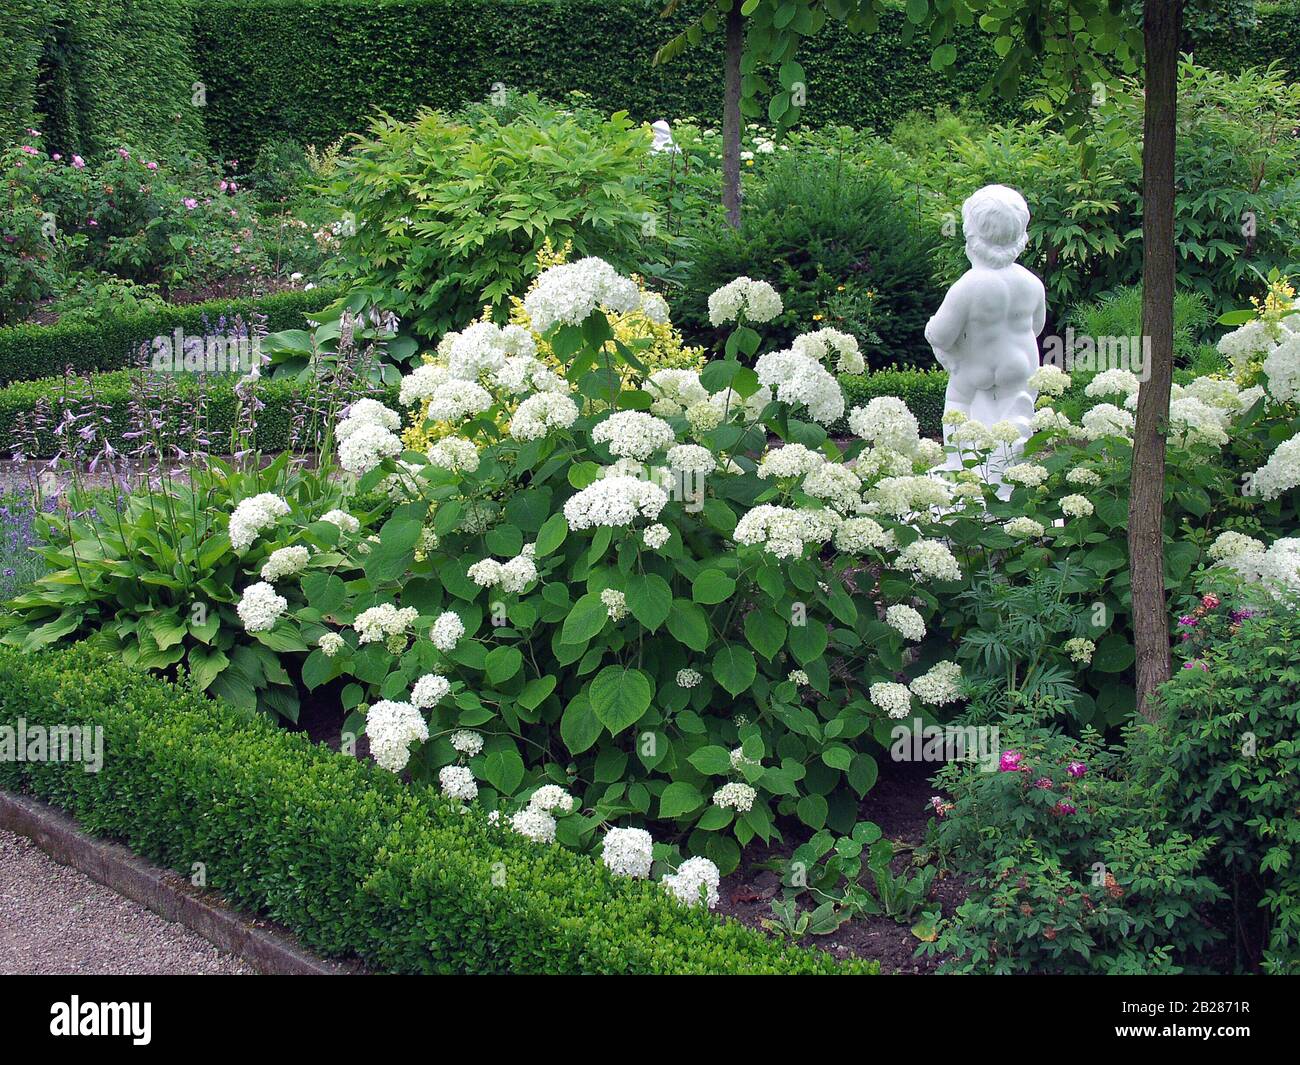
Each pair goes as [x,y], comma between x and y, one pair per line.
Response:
[634,434]
[454,453]
[756,300]
[421,383]
[798,678]
[615,603]
[692,458]
[887,422]
[1049,380]
[446,631]
[689,678]
[905,496]
[929,559]
[345,521]
[1282,368]
[939,685]
[1277,568]
[1106,419]
[837,485]
[783,531]
[790,460]
[894,699]
[391,728]
[1194,421]
[466,742]
[675,392]
[655,308]
[367,436]
[512,576]
[568,293]
[739,759]
[735,796]
[1023,528]
[457,782]
[1046,420]
[1280,473]
[455,400]
[285,562]
[729,404]
[615,502]
[696,881]
[1076,506]
[540,413]
[856,536]
[1030,474]
[656,536]
[260,607]
[551,797]
[484,347]
[1081,475]
[536,821]
[1080,649]
[628,852]
[823,343]
[906,621]
[523,373]
[382,621]
[799,380]
[1230,545]
[1113,382]
[430,690]
[331,644]
[536,825]
[253,515]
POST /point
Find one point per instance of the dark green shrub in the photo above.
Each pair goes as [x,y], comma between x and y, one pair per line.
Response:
[1226,762]
[350,859]
[839,247]
[447,216]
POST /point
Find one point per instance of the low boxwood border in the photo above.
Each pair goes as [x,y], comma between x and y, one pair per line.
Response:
[348,858]
[112,392]
[110,343]
[921,390]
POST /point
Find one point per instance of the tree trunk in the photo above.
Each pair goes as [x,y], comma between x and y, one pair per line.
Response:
[1159,269]
[735,45]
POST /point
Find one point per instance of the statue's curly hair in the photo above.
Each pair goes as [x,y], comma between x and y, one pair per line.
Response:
[994,220]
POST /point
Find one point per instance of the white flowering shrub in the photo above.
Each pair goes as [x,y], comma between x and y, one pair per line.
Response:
[669,596]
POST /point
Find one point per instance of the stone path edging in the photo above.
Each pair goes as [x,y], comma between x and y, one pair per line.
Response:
[164,892]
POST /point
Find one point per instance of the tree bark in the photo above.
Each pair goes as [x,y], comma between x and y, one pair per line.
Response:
[1159,270]
[735,45]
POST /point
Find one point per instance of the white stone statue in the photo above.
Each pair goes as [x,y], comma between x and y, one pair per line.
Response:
[985,331]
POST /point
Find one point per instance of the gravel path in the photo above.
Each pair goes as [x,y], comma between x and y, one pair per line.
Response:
[55,920]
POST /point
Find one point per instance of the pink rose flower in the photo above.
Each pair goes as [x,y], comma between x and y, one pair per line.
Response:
[1076,769]
[190,203]
[78,162]
[1009,762]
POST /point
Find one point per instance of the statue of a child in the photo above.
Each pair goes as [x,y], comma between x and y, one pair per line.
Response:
[985,331]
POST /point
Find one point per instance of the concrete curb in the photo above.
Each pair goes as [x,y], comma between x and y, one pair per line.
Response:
[173,898]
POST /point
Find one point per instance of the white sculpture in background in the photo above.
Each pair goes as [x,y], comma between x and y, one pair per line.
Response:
[985,331]
[663,138]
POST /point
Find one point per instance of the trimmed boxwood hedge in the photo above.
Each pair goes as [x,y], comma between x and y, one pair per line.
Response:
[112,391]
[921,390]
[32,351]
[350,859]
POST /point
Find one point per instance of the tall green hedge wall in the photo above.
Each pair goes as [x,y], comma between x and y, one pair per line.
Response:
[94,74]
[314,69]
